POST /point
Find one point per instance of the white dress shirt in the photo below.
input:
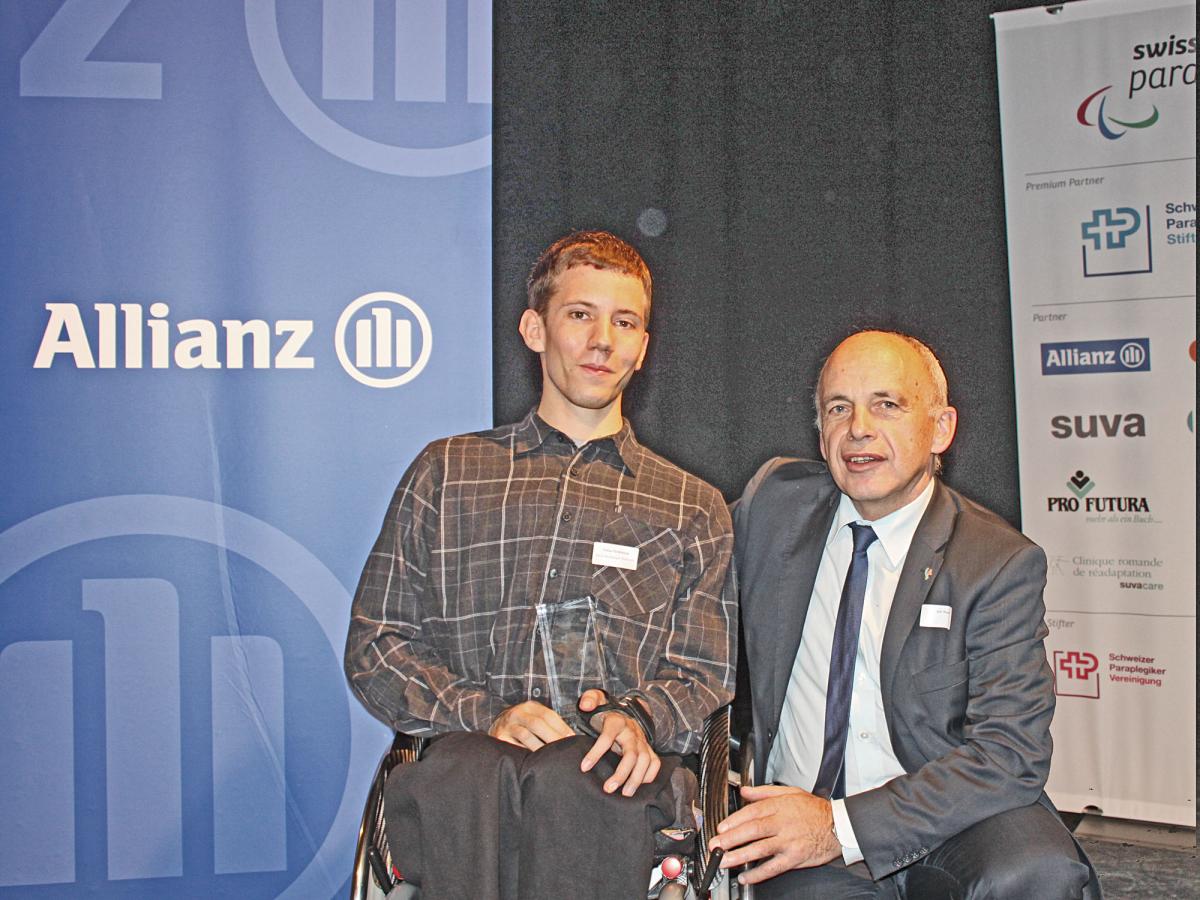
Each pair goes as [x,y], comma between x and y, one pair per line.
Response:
[870,760]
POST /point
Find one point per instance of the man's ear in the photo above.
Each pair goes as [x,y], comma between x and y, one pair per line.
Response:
[945,424]
[533,331]
[642,355]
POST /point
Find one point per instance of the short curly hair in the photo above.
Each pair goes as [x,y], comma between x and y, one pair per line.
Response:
[599,249]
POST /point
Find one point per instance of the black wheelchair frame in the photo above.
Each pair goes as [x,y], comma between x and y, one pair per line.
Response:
[373,868]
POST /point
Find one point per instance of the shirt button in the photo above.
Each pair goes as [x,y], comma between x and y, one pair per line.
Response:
[537,692]
[573,472]
[864,735]
[554,573]
[566,517]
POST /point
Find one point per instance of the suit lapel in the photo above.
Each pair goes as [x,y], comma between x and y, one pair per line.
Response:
[801,558]
[921,567]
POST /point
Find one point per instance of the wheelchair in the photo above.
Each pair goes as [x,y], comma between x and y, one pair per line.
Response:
[691,876]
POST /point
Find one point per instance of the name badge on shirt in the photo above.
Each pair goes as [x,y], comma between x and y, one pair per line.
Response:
[934,615]
[617,555]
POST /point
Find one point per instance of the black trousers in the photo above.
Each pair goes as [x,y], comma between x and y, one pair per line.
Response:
[480,818]
[1023,854]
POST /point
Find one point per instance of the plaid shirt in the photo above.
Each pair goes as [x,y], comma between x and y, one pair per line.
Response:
[484,529]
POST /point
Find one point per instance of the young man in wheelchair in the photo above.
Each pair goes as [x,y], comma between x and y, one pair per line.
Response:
[545,600]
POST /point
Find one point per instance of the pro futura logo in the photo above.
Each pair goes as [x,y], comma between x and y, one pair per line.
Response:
[1081,486]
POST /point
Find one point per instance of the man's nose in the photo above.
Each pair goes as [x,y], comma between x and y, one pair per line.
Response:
[602,335]
[860,424]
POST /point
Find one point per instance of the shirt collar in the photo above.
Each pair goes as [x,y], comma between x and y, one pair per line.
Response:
[533,432]
[894,531]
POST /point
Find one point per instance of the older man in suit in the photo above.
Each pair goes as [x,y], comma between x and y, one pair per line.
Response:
[901,695]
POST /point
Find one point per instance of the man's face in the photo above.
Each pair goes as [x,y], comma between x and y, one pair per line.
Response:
[880,427]
[592,339]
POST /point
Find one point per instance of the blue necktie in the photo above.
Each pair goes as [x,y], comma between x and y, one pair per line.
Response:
[831,777]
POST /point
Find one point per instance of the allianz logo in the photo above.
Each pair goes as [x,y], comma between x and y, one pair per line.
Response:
[382,339]
[1102,425]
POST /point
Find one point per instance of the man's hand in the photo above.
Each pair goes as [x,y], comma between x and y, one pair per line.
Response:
[639,763]
[787,827]
[530,725]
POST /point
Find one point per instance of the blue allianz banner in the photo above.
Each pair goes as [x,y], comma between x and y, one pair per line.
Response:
[245,260]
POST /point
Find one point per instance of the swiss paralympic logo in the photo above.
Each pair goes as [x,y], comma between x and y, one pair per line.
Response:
[438,119]
[1093,113]
[173,716]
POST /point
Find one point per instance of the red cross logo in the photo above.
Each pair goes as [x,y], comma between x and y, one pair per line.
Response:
[1078,665]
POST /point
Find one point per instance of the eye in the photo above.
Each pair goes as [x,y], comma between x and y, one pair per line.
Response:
[576,314]
[626,323]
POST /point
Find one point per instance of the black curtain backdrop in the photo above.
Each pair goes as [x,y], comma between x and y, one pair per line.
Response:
[791,172]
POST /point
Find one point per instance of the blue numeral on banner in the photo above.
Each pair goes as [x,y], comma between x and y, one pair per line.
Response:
[57,64]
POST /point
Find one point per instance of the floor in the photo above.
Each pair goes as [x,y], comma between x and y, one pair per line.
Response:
[1130,872]
[1133,870]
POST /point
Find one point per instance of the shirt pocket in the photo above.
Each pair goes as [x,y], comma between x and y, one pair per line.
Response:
[639,592]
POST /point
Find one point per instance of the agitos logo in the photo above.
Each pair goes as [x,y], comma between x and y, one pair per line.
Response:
[1103,121]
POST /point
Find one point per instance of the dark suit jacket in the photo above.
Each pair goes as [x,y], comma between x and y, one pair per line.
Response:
[968,708]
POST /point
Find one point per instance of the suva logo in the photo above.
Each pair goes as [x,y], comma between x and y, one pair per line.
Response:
[1103,121]
[430,47]
[1115,242]
[1127,424]
[173,714]
[384,333]
[1094,357]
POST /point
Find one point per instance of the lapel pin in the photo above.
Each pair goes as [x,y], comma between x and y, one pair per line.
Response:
[928,573]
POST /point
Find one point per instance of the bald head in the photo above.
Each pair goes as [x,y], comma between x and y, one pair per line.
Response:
[883,418]
[883,339]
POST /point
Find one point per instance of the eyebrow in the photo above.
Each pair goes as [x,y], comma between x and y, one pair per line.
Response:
[588,304]
[875,395]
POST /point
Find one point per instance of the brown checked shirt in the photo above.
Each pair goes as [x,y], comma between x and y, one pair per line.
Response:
[489,533]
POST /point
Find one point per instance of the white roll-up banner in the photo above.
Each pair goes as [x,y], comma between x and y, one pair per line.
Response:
[1098,121]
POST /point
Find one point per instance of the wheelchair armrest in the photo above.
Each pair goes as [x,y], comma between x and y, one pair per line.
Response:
[372,859]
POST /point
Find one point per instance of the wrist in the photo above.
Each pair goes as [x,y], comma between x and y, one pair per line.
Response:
[629,707]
